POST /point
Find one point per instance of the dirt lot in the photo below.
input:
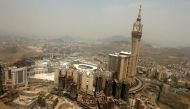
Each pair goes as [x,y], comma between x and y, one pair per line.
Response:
[173,101]
[3,106]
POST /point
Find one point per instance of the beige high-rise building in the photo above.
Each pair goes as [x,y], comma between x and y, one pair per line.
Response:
[56,76]
[118,64]
[113,62]
[122,67]
[136,38]
[87,83]
[15,77]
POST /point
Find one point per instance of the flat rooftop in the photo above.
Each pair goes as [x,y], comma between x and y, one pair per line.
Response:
[25,100]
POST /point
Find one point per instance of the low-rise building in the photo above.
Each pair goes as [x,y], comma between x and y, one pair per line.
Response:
[51,102]
[26,100]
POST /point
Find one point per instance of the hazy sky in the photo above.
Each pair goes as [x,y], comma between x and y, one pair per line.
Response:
[166,22]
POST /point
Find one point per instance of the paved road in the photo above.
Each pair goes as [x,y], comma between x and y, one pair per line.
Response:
[138,87]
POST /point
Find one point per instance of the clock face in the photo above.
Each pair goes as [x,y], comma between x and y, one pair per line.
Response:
[136,28]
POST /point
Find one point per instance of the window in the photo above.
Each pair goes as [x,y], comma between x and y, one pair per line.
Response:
[9,74]
[20,76]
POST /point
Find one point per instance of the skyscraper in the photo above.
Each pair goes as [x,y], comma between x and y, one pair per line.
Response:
[136,38]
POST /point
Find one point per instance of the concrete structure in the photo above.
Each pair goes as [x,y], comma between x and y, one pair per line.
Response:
[123,67]
[15,77]
[1,78]
[40,70]
[136,38]
[40,66]
[113,62]
[51,101]
[26,100]
[46,66]
[86,77]
[56,76]
[82,75]
[159,72]
[87,83]
[118,64]
[140,103]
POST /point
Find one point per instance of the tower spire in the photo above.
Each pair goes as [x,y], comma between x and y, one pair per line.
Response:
[140,12]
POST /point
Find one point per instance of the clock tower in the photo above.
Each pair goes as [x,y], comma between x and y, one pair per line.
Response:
[136,38]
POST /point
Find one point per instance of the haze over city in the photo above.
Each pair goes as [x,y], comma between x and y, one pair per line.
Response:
[94,54]
[166,20]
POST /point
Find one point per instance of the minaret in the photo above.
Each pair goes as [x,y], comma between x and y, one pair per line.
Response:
[136,38]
